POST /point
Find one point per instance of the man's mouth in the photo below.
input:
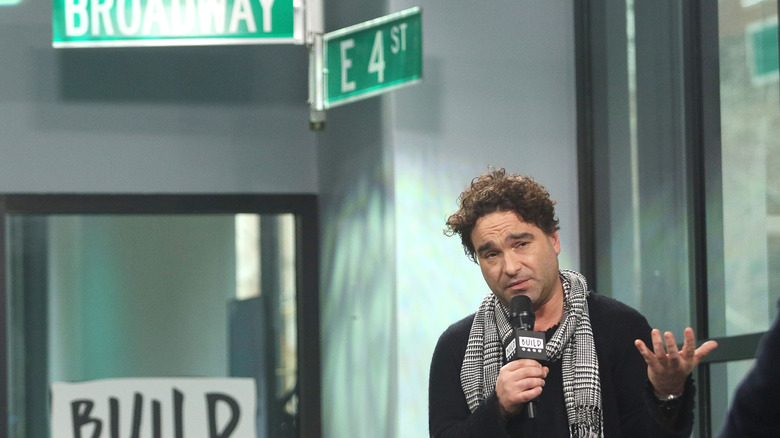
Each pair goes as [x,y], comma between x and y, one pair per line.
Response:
[519,284]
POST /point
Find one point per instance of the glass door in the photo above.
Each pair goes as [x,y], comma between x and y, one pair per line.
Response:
[679,128]
[745,216]
[161,294]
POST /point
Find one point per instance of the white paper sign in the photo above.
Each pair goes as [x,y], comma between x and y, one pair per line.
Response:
[154,408]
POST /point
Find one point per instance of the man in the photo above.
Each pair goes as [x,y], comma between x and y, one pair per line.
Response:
[756,406]
[594,382]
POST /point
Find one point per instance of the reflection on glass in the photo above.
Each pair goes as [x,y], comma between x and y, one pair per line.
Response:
[750,131]
[103,296]
[247,256]
[642,202]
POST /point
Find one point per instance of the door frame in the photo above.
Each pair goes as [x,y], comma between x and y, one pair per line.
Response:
[303,206]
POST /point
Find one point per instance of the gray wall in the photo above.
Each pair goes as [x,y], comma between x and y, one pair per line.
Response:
[498,90]
[360,380]
[136,120]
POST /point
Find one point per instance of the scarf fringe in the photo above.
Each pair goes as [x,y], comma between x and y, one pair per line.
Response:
[591,428]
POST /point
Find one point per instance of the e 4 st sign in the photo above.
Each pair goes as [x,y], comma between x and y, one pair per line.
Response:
[374,57]
[128,23]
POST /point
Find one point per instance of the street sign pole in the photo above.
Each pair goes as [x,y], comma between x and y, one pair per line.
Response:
[315,27]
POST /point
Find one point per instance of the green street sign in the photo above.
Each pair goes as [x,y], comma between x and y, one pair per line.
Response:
[763,43]
[373,57]
[134,23]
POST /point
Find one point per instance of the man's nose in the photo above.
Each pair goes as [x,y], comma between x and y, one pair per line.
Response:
[513,263]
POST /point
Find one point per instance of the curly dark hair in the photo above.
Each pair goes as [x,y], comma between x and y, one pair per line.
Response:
[497,191]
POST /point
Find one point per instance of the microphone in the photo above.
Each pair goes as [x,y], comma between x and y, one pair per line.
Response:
[521,313]
[528,343]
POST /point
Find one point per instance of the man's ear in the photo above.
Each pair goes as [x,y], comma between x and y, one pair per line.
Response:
[556,242]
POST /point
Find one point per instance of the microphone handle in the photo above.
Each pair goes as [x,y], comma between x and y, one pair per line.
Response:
[531,409]
[531,405]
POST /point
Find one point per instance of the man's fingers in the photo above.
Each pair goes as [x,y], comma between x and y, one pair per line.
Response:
[522,363]
[518,384]
[665,350]
[689,346]
[696,354]
[645,352]
[658,344]
[704,350]
[518,370]
[671,345]
[641,347]
[524,395]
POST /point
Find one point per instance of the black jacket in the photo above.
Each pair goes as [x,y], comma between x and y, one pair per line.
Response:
[755,411]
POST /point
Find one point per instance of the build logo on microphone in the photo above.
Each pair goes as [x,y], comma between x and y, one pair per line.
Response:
[530,345]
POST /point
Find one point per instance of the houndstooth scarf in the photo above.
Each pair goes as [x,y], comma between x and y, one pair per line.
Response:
[572,343]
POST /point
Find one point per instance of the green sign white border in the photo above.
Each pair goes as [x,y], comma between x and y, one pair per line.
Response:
[354,29]
[298,38]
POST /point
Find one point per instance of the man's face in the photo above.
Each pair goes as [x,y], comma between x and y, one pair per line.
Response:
[516,258]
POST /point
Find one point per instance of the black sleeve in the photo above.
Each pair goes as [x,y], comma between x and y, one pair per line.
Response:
[448,412]
[672,418]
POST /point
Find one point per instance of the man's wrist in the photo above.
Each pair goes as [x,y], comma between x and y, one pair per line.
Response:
[668,397]
[669,404]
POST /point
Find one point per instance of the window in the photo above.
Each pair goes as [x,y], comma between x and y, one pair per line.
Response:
[161,286]
[747,260]
[679,138]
